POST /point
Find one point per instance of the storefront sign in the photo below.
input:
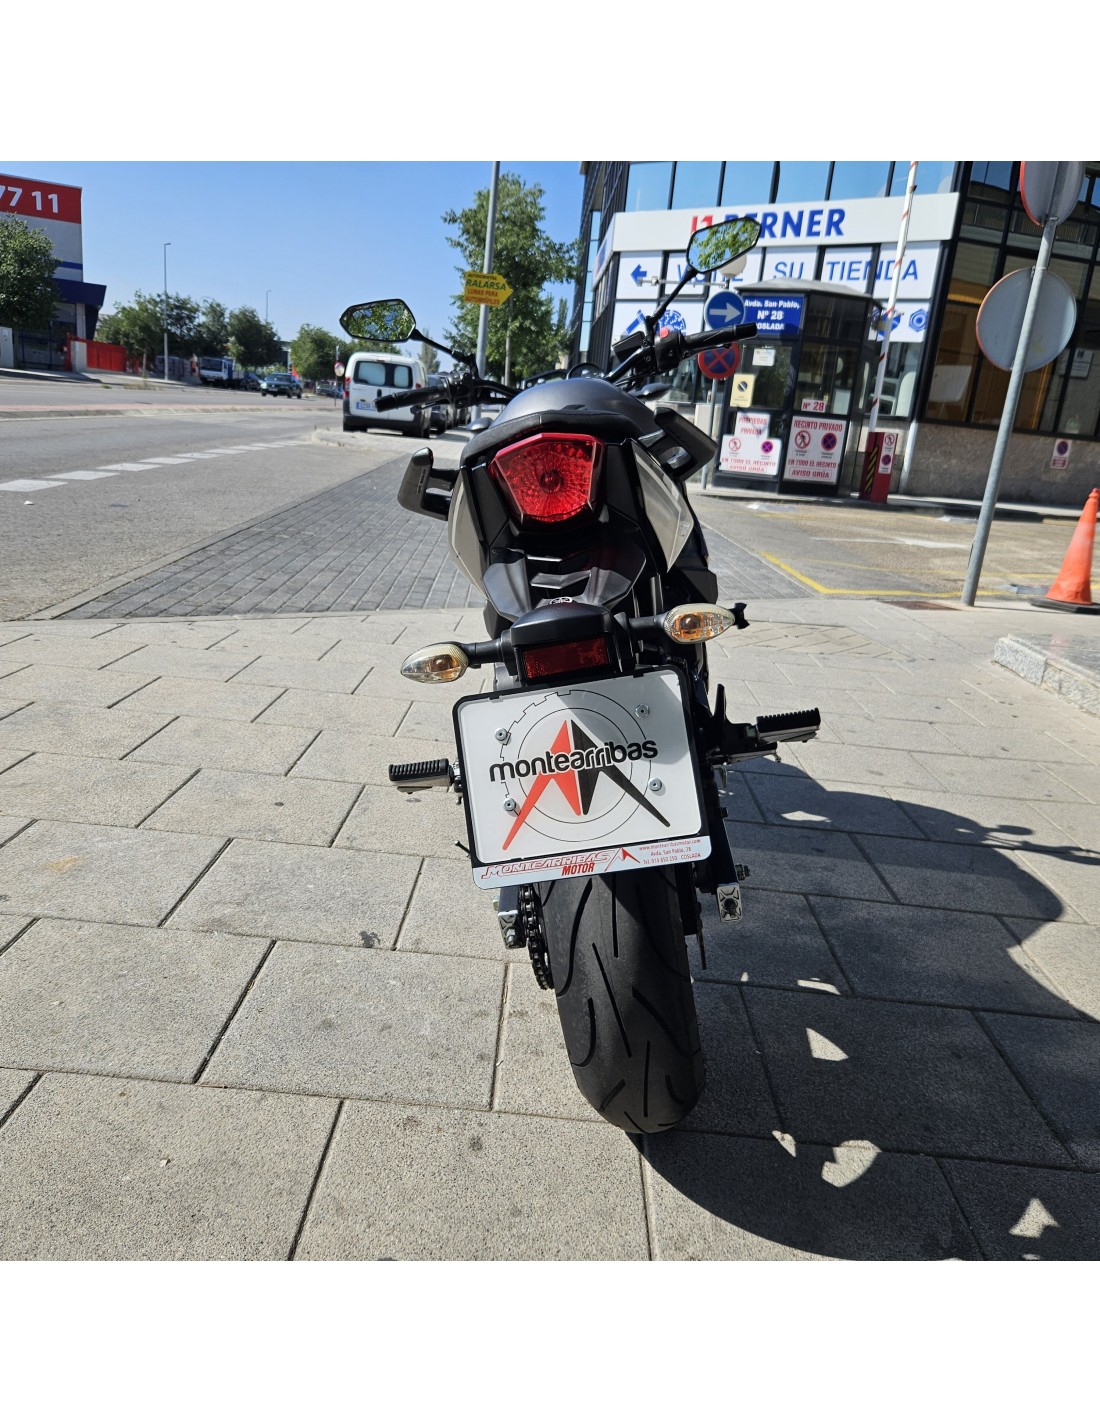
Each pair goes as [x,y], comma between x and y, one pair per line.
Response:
[790,264]
[815,451]
[775,315]
[752,456]
[755,425]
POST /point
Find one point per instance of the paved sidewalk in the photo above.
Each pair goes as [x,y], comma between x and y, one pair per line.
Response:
[251,1006]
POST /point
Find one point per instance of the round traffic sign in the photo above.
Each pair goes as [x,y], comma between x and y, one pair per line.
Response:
[1001,318]
[339,367]
[719,364]
[725,309]
[1050,190]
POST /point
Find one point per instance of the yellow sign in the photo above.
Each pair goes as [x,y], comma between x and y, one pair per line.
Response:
[741,389]
[486,288]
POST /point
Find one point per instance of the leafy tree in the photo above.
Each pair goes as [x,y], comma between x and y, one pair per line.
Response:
[252,341]
[429,357]
[28,296]
[314,351]
[139,325]
[212,331]
[522,333]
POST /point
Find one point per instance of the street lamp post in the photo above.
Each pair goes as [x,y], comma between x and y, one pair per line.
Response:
[166,246]
[266,295]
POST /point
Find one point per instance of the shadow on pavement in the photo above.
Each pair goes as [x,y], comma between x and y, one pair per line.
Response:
[896,1069]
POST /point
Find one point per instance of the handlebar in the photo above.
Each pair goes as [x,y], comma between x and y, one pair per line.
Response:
[425,395]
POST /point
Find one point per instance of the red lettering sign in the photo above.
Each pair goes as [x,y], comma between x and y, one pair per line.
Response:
[30,197]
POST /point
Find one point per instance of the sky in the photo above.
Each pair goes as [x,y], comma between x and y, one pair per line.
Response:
[299,241]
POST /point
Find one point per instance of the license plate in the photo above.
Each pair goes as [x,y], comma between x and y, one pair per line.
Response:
[590,779]
[364,404]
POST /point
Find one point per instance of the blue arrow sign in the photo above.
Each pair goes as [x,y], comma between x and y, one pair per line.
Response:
[725,309]
[638,272]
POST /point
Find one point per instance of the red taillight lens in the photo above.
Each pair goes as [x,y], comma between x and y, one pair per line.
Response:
[566,657]
[550,477]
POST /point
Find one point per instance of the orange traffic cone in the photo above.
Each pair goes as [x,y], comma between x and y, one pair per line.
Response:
[1072,589]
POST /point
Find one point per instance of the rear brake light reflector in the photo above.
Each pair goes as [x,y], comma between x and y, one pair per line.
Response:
[550,477]
[566,657]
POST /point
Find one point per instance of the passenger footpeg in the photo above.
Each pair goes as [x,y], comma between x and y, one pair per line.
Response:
[423,775]
[789,726]
[730,908]
[741,740]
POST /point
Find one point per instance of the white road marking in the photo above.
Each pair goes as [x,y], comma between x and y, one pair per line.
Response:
[126,468]
[24,486]
[86,474]
[107,471]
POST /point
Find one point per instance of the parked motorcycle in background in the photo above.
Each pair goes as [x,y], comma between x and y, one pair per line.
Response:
[588,772]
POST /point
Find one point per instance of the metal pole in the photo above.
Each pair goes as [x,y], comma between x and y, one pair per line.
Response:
[1008,418]
[892,301]
[166,246]
[267,293]
[483,314]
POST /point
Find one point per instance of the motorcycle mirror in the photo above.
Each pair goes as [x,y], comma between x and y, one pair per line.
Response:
[714,247]
[389,321]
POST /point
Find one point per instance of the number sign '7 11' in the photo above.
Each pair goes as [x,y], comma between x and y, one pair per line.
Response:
[27,197]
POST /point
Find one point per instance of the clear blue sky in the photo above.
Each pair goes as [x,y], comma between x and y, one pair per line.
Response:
[317,235]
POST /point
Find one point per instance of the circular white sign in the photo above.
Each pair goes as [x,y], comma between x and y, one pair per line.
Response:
[339,367]
[1001,318]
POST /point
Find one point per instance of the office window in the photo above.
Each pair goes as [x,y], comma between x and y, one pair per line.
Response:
[859,180]
[992,180]
[647,187]
[696,184]
[931,177]
[802,182]
[746,183]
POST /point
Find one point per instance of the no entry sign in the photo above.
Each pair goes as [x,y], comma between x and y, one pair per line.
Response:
[719,364]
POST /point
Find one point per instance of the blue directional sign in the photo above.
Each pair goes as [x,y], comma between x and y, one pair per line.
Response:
[725,309]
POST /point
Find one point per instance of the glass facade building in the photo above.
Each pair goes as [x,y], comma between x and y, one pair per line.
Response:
[944,395]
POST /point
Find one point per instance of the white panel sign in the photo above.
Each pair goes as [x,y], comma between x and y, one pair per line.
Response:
[816,446]
[628,317]
[910,322]
[755,425]
[635,270]
[751,455]
[847,266]
[790,264]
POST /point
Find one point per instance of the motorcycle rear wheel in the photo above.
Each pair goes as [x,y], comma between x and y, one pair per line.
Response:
[624,997]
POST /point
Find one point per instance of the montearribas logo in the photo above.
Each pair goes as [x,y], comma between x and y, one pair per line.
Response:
[576,765]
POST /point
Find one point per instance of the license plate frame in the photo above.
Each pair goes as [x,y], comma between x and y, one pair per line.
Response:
[602,776]
[364,404]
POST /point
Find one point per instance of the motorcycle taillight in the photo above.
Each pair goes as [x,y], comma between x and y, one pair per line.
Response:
[590,652]
[549,477]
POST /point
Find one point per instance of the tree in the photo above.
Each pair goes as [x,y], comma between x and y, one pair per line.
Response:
[314,351]
[28,294]
[212,331]
[429,357]
[252,341]
[522,333]
[139,325]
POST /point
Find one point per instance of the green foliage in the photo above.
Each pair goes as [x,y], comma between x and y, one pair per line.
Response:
[139,326]
[314,351]
[524,329]
[429,357]
[253,342]
[212,331]
[28,295]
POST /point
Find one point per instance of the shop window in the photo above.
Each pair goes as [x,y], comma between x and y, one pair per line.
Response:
[983,219]
[1072,273]
[836,318]
[746,183]
[931,178]
[696,184]
[900,380]
[1079,368]
[770,364]
[972,273]
[859,180]
[956,360]
[992,387]
[802,182]
[647,187]
[992,180]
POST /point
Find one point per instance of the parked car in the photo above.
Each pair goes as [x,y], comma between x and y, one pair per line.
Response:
[329,387]
[281,383]
[250,380]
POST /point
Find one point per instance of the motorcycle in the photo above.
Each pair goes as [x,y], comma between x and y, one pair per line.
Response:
[588,774]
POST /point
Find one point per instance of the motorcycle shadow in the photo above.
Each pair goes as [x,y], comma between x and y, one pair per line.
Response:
[903,1053]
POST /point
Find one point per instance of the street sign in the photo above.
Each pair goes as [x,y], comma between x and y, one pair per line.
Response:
[486,288]
[339,367]
[1001,318]
[719,364]
[741,391]
[725,309]
[1050,190]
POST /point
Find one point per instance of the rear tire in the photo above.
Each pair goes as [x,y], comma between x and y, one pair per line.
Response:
[623,988]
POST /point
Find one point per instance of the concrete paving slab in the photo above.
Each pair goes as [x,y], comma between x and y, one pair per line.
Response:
[114,1000]
[191,662]
[305,674]
[804,861]
[11,926]
[86,653]
[891,734]
[385,680]
[376,649]
[935,956]
[450,914]
[10,825]
[189,696]
[405,1182]
[100,873]
[948,876]
[1074,875]
[855,765]
[86,790]
[829,805]
[938,711]
[1059,1063]
[347,1022]
[8,708]
[89,688]
[1003,743]
[1066,953]
[384,818]
[299,646]
[777,943]
[428,722]
[724,1198]
[300,892]
[983,819]
[1082,781]
[324,710]
[198,636]
[919,1079]
[12,1086]
[243,805]
[356,756]
[1016,780]
[203,742]
[534,1077]
[55,628]
[79,730]
[1018,1213]
[100,1168]
[736,1099]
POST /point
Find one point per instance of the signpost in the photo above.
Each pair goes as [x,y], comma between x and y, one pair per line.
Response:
[719,364]
[1049,192]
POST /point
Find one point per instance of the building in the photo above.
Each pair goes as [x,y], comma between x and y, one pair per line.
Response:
[830,233]
[55,209]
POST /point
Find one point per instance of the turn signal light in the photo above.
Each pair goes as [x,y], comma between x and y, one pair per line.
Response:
[549,477]
[697,622]
[445,661]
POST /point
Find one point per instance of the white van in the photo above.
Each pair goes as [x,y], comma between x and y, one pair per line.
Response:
[373,373]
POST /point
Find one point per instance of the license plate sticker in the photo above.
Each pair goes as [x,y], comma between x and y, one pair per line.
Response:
[364,404]
[558,777]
